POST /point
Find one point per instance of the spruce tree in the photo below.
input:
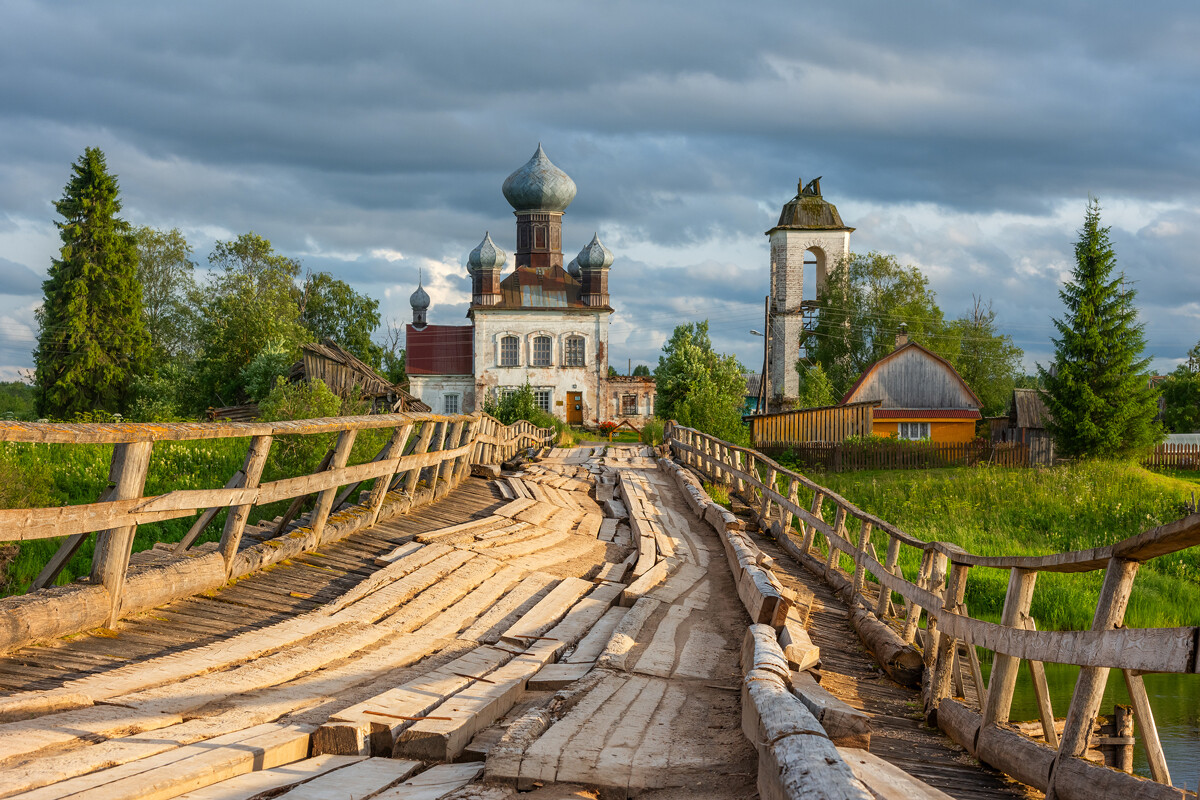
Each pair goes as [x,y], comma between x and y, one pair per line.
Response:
[1097,392]
[91,340]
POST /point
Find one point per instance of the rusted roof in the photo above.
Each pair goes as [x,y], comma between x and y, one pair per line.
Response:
[1028,409]
[926,413]
[526,290]
[343,372]
[439,350]
[809,211]
[946,364]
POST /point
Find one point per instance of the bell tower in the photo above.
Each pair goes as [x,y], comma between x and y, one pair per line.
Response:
[810,234]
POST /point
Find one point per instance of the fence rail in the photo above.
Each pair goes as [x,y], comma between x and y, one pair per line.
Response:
[896,454]
[426,456]
[1174,455]
[832,530]
[826,424]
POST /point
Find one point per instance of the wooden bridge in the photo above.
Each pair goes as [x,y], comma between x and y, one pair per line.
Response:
[592,619]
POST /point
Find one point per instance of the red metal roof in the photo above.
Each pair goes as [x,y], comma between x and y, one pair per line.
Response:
[926,413]
[439,350]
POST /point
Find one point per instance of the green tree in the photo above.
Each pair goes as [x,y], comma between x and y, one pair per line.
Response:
[250,300]
[641,371]
[1097,390]
[330,309]
[91,337]
[862,305]
[393,355]
[987,360]
[699,387]
[1181,401]
[815,388]
[165,269]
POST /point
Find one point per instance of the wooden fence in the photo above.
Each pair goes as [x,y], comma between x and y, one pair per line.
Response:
[896,454]
[831,530]
[410,470]
[827,424]
[1174,455]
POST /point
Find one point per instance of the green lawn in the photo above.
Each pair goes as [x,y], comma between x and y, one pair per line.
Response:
[1002,511]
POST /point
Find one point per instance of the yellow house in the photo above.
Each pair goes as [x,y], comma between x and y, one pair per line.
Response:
[920,396]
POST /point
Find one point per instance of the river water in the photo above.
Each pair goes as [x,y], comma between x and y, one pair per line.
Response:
[1174,698]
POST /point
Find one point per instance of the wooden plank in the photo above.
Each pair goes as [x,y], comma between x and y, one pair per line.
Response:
[512,606]
[548,611]
[364,778]
[248,786]
[886,781]
[435,783]
[846,726]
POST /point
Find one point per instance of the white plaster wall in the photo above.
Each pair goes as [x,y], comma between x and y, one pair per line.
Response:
[492,325]
[432,389]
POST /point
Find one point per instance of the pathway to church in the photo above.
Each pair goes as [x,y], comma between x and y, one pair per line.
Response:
[574,630]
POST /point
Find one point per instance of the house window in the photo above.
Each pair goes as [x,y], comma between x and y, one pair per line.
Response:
[509,348]
[574,355]
[628,405]
[507,392]
[543,398]
[451,403]
[913,430]
[541,351]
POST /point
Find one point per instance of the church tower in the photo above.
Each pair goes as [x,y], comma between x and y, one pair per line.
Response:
[809,235]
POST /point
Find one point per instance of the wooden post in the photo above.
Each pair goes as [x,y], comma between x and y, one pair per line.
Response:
[235,522]
[1116,742]
[452,441]
[110,561]
[437,444]
[937,577]
[1003,682]
[379,490]
[1041,692]
[209,514]
[464,462]
[66,550]
[737,464]
[341,454]
[764,513]
[794,498]
[913,617]
[811,530]
[946,645]
[860,570]
[839,527]
[885,594]
[422,446]
[1144,717]
[1089,686]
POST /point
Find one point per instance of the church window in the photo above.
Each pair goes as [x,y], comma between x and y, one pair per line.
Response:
[629,405]
[543,397]
[509,347]
[541,351]
[574,356]
[451,404]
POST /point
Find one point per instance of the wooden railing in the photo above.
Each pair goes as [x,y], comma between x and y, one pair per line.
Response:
[826,424]
[779,496]
[1174,455]
[425,456]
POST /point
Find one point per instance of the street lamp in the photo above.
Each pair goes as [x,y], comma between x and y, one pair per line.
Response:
[763,379]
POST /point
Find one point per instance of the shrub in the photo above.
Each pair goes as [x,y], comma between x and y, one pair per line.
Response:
[299,454]
[652,432]
[272,363]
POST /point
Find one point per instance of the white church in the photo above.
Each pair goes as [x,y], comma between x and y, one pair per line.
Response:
[542,324]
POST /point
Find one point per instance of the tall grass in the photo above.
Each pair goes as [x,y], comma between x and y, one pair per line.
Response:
[996,511]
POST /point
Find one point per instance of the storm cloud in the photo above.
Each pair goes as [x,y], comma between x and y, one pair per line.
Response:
[370,140]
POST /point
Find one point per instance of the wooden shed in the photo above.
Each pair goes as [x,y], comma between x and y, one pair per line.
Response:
[345,375]
[1026,424]
[920,396]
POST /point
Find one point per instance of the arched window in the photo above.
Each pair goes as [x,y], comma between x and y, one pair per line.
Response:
[574,352]
[510,346]
[541,351]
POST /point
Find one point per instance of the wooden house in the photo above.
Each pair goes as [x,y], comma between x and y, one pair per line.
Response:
[346,375]
[919,395]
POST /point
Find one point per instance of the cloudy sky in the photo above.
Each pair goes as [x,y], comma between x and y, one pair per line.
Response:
[371,139]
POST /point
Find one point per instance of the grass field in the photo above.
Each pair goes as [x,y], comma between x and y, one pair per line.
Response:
[996,511]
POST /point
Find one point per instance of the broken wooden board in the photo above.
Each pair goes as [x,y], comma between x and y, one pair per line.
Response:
[845,725]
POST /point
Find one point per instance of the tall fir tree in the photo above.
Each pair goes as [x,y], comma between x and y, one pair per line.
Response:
[1098,392]
[92,339]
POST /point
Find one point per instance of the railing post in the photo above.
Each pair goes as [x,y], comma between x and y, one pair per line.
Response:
[341,454]
[1003,681]
[764,513]
[793,497]
[860,569]
[811,530]
[235,522]
[885,594]
[737,464]
[1089,686]
[437,445]
[913,613]
[379,490]
[1143,715]
[1041,692]
[110,561]
[445,469]
[471,437]
[839,528]
[414,475]
[947,646]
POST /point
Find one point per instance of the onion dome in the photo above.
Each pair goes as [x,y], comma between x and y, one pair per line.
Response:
[573,267]
[486,256]
[594,255]
[539,186]
[419,298]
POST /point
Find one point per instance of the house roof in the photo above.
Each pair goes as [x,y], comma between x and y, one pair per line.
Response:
[926,413]
[753,383]
[1028,409]
[439,350]
[849,396]
[525,289]
[809,211]
[349,373]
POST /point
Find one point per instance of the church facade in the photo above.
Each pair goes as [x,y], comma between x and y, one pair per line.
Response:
[542,324]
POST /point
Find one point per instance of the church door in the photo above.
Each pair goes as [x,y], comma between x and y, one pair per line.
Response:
[574,408]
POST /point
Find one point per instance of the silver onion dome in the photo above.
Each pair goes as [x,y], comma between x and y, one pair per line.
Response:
[419,298]
[594,255]
[486,256]
[573,267]
[539,186]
